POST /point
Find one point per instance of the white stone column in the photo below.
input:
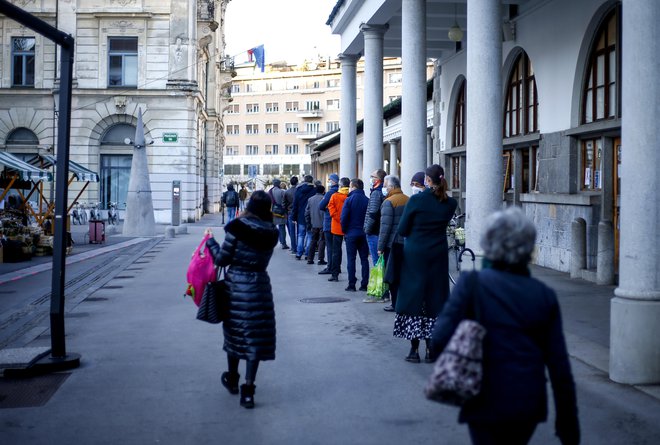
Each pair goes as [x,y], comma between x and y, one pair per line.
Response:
[635,311]
[484,116]
[373,99]
[393,157]
[413,106]
[347,116]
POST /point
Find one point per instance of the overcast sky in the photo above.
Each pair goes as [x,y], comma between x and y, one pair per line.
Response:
[289,29]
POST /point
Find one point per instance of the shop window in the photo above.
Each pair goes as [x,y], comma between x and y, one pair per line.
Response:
[22,57]
[232,169]
[456,172]
[271,169]
[592,164]
[291,169]
[601,87]
[251,169]
[529,172]
[458,139]
[521,115]
[122,62]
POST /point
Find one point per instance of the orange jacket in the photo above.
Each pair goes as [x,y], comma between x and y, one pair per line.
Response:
[335,206]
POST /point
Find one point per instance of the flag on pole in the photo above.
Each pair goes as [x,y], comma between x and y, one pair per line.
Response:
[259,56]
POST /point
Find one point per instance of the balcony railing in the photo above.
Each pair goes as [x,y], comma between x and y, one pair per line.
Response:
[308,135]
[310,113]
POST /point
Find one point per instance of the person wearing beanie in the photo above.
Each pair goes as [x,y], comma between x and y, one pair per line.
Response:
[230,200]
[332,188]
[249,328]
[303,192]
[289,197]
[417,183]
[279,214]
[424,290]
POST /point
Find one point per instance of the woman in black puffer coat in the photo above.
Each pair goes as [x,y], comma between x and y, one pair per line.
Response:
[250,327]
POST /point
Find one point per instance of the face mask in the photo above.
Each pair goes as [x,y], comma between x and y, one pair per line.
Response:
[416,190]
[329,184]
[384,191]
[373,181]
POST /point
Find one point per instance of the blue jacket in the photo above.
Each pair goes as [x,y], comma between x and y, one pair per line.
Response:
[303,192]
[323,206]
[353,214]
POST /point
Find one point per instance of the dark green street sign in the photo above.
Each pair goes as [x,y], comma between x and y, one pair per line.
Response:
[170,137]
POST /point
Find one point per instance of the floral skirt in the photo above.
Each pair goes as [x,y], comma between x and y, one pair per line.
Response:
[413,327]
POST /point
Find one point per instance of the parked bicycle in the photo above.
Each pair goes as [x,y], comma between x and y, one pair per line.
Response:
[78,214]
[113,216]
[94,213]
[457,248]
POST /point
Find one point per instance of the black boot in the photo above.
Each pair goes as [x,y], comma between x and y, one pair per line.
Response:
[413,356]
[247,396]
[230,381]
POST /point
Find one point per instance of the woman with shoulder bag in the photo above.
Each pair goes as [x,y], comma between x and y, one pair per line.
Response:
[524,336]
[249,328]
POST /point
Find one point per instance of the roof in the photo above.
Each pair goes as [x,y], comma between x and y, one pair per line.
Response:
[26,171]
[334,12]
[78,171]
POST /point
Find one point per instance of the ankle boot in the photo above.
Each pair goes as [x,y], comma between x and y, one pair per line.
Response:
[247,396]
[230,381]
[413,356]
[427,358]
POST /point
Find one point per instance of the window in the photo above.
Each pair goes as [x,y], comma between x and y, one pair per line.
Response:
[332,104]
[232,169]
[529,169]
[271,169]
[115,174]
[291,149]
[22,137]
[312,105]
[307,169]
[458,138]
[122,62]
[290,169]
[272,149]
[231,150]
[592,165]
[313,127]
[292,85]
[22,51]
[316,84]
[269,86]
[251,150]
[233,129]
[247,168]
[332,83]
[249,88]
[272,107]
[507,171]
[233,109]
[291,128]
[331,126]
[308,149]
[522,104]
[393,98]
[394,77]
[252,129]
[601,89]
[252,108]
[235,88]
[456,172]
[272,128]
[292,106]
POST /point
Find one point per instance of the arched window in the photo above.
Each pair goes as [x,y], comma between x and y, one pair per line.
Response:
[601,88]
[116,134]
[458,138]
[115,164]
[23,137]
[521,114]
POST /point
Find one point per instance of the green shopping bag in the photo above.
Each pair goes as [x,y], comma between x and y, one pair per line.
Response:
[377,287]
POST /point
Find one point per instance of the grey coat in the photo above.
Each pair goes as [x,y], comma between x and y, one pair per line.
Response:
[313,214]
[277,195]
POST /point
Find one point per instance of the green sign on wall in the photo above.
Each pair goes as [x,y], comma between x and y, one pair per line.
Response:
[170,137]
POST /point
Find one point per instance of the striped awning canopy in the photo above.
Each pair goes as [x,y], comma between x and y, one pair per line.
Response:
[78,171]
[27,172]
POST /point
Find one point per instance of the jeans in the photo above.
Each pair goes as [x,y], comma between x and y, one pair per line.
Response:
[328,247]
[292,233]
[313,243]
[336,254]
[301,245]
[251,367]
[372,240]
[282,231]
[231,213]
[357,245]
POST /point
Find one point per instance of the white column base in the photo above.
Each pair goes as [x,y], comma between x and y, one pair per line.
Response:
[634,345]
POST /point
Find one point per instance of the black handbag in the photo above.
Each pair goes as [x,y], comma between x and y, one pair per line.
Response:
[215,301]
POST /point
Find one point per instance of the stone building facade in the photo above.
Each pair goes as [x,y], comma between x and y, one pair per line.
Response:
[165,58]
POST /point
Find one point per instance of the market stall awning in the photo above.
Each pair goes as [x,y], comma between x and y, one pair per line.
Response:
[26,171]
[78,171]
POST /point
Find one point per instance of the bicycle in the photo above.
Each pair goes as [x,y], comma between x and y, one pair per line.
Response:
[94,213]
[82,213]
[457,248]
[112,213]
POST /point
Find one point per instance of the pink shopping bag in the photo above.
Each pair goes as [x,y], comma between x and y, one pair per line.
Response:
[200,271]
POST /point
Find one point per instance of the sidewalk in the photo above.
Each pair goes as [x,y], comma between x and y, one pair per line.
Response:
[150,372]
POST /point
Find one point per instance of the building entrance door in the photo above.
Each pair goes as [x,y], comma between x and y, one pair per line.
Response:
[617,199]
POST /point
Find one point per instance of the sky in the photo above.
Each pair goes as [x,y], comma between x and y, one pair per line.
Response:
[291,30]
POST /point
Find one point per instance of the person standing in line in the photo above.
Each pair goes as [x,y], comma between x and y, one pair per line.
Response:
[372,220]
[279,214]
[249,330]
[289,197]
[242,196]
[352,224]
[424,286]
[303,192]
[417,183]
[314,221]
[524,336]
[231,201]
[335,207]
[390,243]
[333,186]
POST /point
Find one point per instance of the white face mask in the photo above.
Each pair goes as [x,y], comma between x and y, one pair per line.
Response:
[373,181]
[384,191]
[416,190]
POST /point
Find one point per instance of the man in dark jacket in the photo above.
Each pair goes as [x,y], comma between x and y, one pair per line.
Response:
[230,201]
[333,187]
[372,219]
[289,197]
[314,222]
[303,192]
[352,224]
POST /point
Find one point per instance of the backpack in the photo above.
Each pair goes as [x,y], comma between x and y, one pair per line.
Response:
[231,200]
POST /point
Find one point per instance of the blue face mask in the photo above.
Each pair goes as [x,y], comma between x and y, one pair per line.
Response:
[384,191]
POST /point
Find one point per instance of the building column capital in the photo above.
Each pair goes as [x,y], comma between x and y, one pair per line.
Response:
[348,59]
[373,31]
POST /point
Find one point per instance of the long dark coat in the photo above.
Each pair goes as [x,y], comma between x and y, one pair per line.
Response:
[424,274]
[247,248]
